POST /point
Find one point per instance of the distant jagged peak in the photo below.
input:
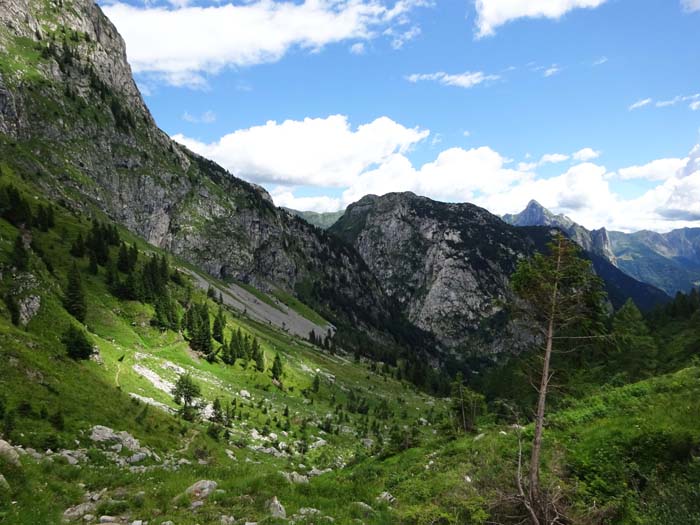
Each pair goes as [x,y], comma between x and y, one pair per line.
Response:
[534,214]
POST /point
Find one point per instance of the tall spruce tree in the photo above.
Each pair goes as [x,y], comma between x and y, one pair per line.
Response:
[74,297]
[20,254]
[123,259]
[277,368]
[636,349]
[258,356]
[219,325]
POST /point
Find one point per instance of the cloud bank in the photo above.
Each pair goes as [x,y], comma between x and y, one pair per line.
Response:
[181,45]
[343,163]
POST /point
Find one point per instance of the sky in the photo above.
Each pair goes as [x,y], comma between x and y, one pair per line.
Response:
[591,107]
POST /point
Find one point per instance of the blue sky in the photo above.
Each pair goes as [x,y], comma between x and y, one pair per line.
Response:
[591,107]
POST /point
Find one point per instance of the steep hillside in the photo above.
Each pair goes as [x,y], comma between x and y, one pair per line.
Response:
[72,119]
[261,432]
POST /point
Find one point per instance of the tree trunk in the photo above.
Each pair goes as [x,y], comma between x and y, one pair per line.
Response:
[534,474]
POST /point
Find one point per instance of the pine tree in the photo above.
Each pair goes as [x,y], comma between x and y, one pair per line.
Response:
[258,356]
[74,297]
[111,277]
[219,325]
[316,384]
[92,265]
[217,413]
[466,405]
[635,347]
[199,328]
[185,393]
[20,254]
[77,249]
[133,256]
[123,259]
[77,344]
[277,368]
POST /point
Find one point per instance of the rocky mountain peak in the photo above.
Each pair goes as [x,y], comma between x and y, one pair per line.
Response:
[80,47]
[535,214]
[446,264]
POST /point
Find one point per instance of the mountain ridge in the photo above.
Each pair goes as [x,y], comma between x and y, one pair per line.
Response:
[669,261]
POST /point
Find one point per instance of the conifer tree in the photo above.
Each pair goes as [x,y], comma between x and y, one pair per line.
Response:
[77,344]
[20,254]
[217,412]
[111,277]
[258,356]
[277,367]
[92,265]
[133,256]
[13,308]
[74,296]
[123,259]
[185,393]
[635,347]
[559,292]
[77,249]
[466,405]
[219,325]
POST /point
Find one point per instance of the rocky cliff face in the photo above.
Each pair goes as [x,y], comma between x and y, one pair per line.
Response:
[595,241]
[71,113]
[447,265]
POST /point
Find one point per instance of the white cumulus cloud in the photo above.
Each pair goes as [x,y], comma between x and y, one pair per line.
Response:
[182,45]
[343,163]
[586,154]
[284,197]
[314,151]
[492,14]
[656,170]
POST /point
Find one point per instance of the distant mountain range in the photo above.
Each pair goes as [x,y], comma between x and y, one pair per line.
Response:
[670,261]
[322,220]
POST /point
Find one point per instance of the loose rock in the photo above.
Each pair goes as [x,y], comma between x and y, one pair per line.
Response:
[202,489]
[276,509]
